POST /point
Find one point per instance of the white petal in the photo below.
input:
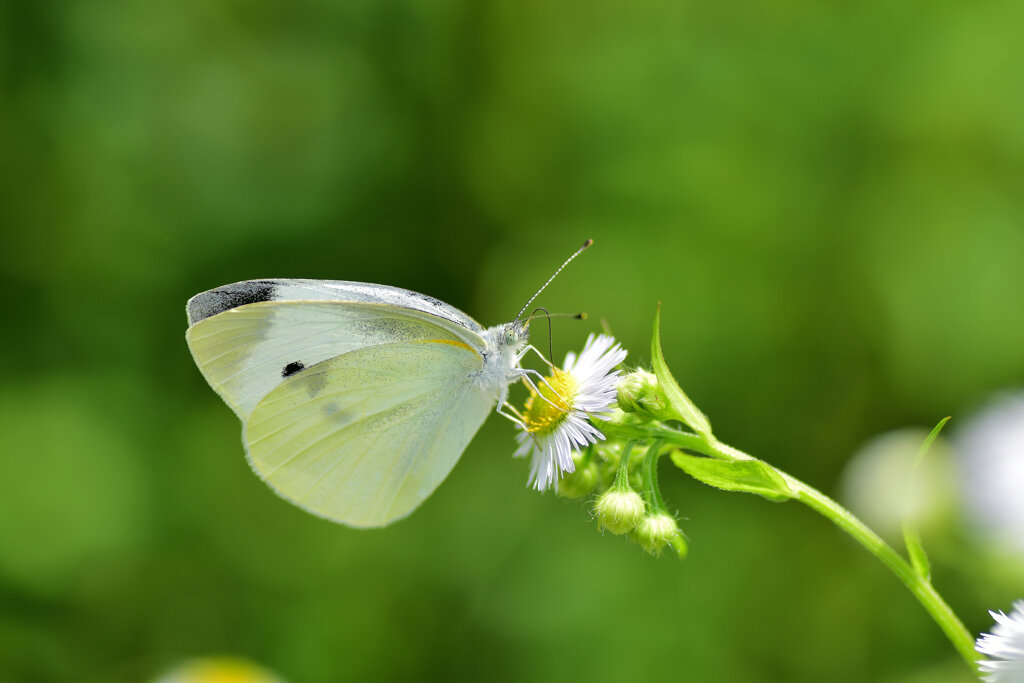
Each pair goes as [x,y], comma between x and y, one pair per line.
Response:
[596,379]
[1005,646]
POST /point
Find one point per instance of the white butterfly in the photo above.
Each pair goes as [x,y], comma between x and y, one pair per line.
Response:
[356,399]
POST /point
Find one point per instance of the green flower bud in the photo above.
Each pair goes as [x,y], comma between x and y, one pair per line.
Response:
[639,394]
[619,511]
[606,457]
[656,531]
[580,482]
[634,386]
[608,451]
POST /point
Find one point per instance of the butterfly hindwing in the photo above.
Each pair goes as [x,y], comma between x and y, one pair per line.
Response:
[363,438]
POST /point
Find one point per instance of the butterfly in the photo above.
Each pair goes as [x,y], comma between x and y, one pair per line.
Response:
[356,399]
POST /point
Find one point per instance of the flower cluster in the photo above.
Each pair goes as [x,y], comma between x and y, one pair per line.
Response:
[593,431]
[571,454]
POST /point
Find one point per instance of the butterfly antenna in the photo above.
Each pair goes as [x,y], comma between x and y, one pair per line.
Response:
[578,252]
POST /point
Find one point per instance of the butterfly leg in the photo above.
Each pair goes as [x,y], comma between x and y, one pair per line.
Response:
[520,420]
[512,375]
[524,375]
[513,415]
[531,347]
[536,390]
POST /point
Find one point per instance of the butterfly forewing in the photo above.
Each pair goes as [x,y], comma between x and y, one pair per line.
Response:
[214,301]
[246,352]
[363,438]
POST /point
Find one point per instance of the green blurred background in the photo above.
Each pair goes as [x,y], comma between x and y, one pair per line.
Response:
[826,198]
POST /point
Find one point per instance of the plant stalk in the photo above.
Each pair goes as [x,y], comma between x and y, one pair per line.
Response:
[918,585]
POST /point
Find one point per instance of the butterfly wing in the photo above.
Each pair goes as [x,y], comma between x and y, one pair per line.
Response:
[214,301]
[246,339]
[363,438]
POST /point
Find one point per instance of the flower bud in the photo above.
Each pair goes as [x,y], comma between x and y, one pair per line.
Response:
[608,451]
[619,511]
[640,394]
[633,387]
[606,457]
[655,531]
[580,482]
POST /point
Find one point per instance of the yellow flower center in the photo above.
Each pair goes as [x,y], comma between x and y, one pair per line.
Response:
[543,416]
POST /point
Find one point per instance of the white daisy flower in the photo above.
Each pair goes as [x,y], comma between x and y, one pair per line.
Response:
[1004,646]
[555,423]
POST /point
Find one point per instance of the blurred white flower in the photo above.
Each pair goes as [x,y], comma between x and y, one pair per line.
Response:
[1004,647]
[219,670]
[880,486]
[990,453]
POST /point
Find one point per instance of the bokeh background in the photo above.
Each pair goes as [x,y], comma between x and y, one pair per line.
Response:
[827,198]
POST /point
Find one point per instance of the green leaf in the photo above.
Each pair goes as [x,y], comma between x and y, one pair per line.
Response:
[682,407]
[747,476]
[929,440]
[915,551]
[911,536]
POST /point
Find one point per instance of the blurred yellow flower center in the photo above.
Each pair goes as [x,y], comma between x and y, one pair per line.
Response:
[543,416]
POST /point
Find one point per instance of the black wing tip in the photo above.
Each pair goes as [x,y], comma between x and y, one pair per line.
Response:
[208,304]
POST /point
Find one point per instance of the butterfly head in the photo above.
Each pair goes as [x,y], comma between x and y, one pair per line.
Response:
[513,338]
[504,346]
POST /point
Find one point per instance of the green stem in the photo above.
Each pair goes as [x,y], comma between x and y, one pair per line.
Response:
[651,430]
[922,589]
[652,494]
[919,586]
[621,482]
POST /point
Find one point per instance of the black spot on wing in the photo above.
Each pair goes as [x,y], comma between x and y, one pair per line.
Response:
[208,304]
[292,368]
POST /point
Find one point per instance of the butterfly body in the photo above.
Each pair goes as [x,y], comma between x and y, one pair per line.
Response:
[356,399]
